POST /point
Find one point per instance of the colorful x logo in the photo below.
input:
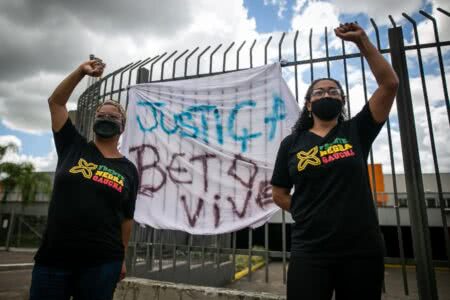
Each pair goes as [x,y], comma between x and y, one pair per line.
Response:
[84,167]
[308,158]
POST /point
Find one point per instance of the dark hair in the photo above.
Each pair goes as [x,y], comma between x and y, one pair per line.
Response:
[306,122]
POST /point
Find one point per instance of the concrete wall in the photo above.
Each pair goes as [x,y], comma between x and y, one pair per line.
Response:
[144,289]
[429,183]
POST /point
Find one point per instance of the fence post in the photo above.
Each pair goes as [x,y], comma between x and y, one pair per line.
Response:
[10,229]
[142,75]
[426,280]
[19,231]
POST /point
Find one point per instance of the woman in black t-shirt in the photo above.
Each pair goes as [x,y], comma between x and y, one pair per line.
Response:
[336,244]
[91,209]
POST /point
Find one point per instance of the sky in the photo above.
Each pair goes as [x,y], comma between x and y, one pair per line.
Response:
[43,41]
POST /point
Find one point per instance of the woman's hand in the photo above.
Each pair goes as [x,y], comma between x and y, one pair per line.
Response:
[351,32]
[58,99]
[93,67]
[123,271]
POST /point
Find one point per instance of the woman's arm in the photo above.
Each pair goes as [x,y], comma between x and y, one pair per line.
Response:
[381,101]
[126,227]
[281,196]
[60,96]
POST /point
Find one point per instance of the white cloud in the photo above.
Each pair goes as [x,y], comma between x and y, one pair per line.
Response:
[378,10]
[317,15]
[281,6]
[41,163]
[10,139]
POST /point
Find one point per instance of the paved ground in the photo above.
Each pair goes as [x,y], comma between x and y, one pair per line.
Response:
[14,284]
[393,282]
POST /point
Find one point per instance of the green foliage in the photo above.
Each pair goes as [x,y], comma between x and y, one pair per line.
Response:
[21,176]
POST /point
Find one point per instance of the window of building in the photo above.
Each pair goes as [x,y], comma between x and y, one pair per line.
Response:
[402,202]
[431,202]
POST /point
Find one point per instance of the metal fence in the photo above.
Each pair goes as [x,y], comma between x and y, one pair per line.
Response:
[21,230]
[158,250]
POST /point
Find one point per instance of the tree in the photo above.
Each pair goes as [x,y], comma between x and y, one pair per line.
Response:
[21,176]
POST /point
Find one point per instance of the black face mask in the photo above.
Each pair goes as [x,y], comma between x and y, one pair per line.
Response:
[327,108]
[106,128]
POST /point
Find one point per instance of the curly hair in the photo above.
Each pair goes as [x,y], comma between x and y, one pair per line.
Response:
[305,122]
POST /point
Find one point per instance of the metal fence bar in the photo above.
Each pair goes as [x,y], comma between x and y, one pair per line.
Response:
[444,11]
[217,256]
[175,62]
[394,183]
[121,78]
[440,59]
[295,67]
[237,54]
[138,79]
[433,144]
[346,77]
[174,253]
[211,58]
[266,254]
[250,245]
[121,71]
[265,49]
[153,248]
[311,56]
[251,53]
[225,56]
[203,251]
[140,67]
[150,79]
[198,59]
[187,59]
[189,252]
[37,233]
[280,43]
[426,280]
[160,250]
[10,230]
[164,61]
[327,54]
[233,253]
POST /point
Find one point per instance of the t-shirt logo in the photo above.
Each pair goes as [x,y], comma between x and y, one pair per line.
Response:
[103,174]
[84,168]
[324,154]
[308,158]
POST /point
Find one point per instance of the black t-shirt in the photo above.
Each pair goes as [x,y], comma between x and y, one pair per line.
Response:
[332,204]
[92,196]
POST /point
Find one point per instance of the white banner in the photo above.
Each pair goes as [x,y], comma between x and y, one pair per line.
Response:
[205,148]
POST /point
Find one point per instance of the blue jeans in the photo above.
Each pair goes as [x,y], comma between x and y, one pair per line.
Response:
[95,282]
